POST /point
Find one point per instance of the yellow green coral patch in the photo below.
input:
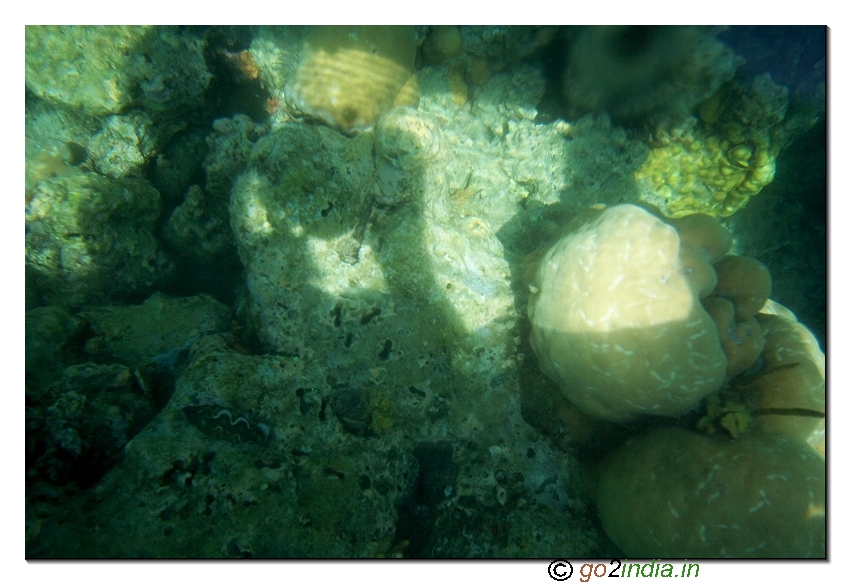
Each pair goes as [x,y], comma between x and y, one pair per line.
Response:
[692,171]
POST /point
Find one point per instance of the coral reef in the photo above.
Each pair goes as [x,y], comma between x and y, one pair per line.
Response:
[788,396]
[286,459]
[52,158]
[631,316]
[63,141]
[78,428]
[51,331]
[117,94]
[367,386]
[176,165]
[740,335]
[743,281]
[743,287]
[785,230]
[277,52]
[110,371]
[783,395]
[125,143]
[198,228]
[713,164]
[158,329]
[107,69]
[406,143]
[56,139]
[690,171]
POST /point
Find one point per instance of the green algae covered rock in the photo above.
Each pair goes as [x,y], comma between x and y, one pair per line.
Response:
[241,462]
[50,332]
[105,69]
[90,237]
[154,330]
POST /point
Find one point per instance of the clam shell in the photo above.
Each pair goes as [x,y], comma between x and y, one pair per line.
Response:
[350,75]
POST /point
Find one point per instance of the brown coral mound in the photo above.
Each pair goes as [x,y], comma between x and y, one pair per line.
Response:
[743,281]
[704,234]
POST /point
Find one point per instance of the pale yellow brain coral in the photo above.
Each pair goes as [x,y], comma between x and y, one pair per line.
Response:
[617,320]
[351,74]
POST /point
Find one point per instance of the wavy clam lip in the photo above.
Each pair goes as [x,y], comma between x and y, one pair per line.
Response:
[349,76]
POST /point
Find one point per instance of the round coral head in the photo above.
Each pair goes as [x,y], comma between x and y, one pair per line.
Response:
[617,321]
[743,281]
[704,234]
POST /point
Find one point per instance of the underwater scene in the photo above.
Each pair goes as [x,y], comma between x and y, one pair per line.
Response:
[425,291]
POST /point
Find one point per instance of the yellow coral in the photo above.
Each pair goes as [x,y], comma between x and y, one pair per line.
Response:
[693,171]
